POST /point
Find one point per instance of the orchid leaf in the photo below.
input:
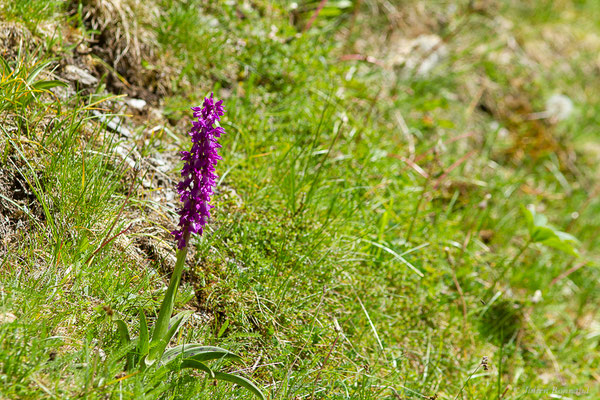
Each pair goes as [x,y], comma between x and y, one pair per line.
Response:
[220,354]
[243,382]
[197,352]
[123,332]
[158,348]
[191,363]
[144,342]
[126,341]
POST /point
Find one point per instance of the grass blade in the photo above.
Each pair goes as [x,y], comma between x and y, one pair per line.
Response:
[123,332]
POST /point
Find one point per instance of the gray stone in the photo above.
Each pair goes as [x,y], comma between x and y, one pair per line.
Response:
[77,74]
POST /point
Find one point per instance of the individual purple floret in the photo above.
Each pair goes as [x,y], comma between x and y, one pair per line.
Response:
[198,173]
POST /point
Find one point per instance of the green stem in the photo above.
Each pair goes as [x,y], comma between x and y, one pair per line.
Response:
[467,381]
[166,308]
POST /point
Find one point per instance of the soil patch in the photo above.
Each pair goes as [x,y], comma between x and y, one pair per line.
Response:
[12,37]
[18,205]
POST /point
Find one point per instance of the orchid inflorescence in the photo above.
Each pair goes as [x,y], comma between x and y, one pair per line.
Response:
[198,172]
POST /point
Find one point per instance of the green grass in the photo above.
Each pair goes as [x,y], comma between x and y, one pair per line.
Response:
[333,266]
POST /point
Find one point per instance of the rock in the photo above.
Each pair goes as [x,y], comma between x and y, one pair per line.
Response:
[169,195]
[77,74]
[161,163]
[137,104]
[113,123]
[129,155]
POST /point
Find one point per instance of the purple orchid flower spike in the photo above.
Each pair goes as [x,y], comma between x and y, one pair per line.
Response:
[198,173]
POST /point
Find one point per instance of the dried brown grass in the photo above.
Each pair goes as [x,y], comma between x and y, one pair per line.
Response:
[12,37]
[123,36]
